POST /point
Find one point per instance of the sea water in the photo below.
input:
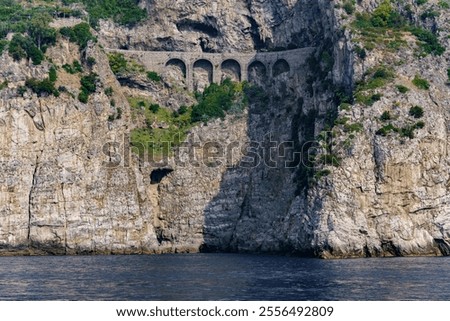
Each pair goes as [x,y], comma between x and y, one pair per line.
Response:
[222,277]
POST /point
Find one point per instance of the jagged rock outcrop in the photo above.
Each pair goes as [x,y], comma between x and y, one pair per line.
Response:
[223,26]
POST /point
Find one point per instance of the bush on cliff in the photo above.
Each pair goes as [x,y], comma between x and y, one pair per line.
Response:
[216,100]
[22,47]
[79,34]
[42,87]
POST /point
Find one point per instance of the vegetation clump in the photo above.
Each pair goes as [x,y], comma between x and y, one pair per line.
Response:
[416,112]
[88,87]
[216,100]
[42,87]
[22,47]
[166,129]
[120,65]
[385,130]
[402,89]
[386,116]
[153,76]
[79,34]
[421,83]
[74,68]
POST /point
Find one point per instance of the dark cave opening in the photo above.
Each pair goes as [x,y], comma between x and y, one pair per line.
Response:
[158,175]
[190,25]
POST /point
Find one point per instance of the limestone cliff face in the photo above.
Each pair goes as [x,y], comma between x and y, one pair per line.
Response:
[390,194]
[57,193]
[69,183]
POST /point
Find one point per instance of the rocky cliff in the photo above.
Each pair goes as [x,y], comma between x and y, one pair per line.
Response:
[331,160]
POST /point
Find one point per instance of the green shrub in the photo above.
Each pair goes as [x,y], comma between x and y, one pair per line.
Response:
[386,116]
[91,61]
[416,112]
[367,100]
[118,63]
[421,2]
[66,32]
[353,128]
[380,77]
[385,130]
[22,47]
[88,86]
[52,75]
[419,125]
[79,34]
[407,131]
[64,12]
[444,4]
[3,85]
[402,89]
[153,76]
[421,83]
[3,45]
[429,14]
[349,7]
[154,108]
[345,106]
[109,91]
[215,101]
[39,30]
[77,66]
[429,42]
[21,90]
[74,68]
[385,16]
[89,83]
[68,68]
[42,87]
[361,52]
[83,97]
[182,110]
[341,121]
[322,173]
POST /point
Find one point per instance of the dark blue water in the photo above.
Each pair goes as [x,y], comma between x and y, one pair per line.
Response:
[222,277]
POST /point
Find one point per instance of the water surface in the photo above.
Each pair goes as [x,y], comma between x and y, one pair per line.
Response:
[222,277]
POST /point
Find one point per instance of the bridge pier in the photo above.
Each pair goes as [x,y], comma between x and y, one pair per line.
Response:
[217,74]
[244,72]
[269,67]
[190,76]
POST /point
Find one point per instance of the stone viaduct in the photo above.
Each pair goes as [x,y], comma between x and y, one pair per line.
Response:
[238,66]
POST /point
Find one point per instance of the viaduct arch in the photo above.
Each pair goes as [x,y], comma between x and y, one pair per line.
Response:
[199,68]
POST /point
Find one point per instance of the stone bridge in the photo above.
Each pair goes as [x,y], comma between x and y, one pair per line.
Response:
[217,66]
